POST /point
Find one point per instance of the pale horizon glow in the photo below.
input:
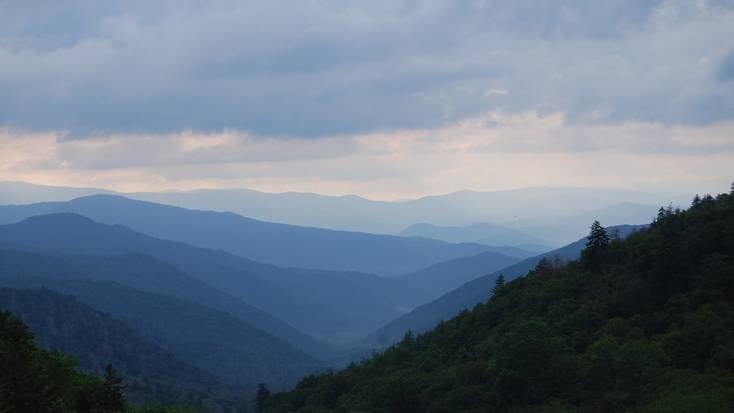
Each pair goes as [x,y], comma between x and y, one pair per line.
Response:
[491,152]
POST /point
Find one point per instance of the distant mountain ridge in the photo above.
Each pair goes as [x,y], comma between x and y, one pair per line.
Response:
[321,303]
[480,233]
[535,211]
[438,279]
[278,244]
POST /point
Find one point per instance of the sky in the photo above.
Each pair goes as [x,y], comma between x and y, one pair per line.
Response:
[385,99]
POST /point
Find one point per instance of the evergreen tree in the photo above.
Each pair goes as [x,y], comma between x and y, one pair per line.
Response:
[544,265]
[573,341]
[597,245]
[113,388]
[498,284]
[408,338]
[261,397]
[34,380]
[696,201]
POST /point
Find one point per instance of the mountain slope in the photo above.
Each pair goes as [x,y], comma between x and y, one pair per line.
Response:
[60,322]
[318,302]
[645,324]
[279,244]
[40,381]
[211,340]
[481,233]
[428,315]
[146,273]
[439,279]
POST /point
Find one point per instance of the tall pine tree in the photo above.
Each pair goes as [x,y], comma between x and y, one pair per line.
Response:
[498,284]
[597,244]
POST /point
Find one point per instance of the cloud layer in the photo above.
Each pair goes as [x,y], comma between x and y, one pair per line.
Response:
[324,67]
[383,98]
[490,151]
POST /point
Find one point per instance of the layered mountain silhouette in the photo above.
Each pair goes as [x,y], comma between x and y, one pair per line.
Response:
[505,240]
[436,280]
[278,244]
[556,215]
[337,305]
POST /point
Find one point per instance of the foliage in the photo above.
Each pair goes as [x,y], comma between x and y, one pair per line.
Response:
[34,380]
[650,328]
[498,284]
[597,244]
[261,397]
[143,372]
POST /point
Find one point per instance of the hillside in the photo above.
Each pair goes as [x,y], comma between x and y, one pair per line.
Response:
[481,233]
[62,323]
[145,273]
[473,292]
[643,324]
[363,301]
[278,244]
[214,341]
[441,278]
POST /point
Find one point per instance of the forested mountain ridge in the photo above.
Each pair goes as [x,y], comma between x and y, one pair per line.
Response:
[642,324]
[232,351]
[473,292]
[145,273]
[96,340]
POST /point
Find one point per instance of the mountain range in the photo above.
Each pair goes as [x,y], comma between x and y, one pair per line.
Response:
[554,215]
[642,324]
[305,299]
[279,244]
[238,301]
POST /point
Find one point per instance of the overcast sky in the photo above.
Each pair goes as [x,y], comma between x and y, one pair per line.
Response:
[387,99]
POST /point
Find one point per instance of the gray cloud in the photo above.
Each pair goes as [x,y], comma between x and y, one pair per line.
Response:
[317,68]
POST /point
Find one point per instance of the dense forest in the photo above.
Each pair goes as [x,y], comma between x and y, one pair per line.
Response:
[641,324]
[39,381]
[152,375]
